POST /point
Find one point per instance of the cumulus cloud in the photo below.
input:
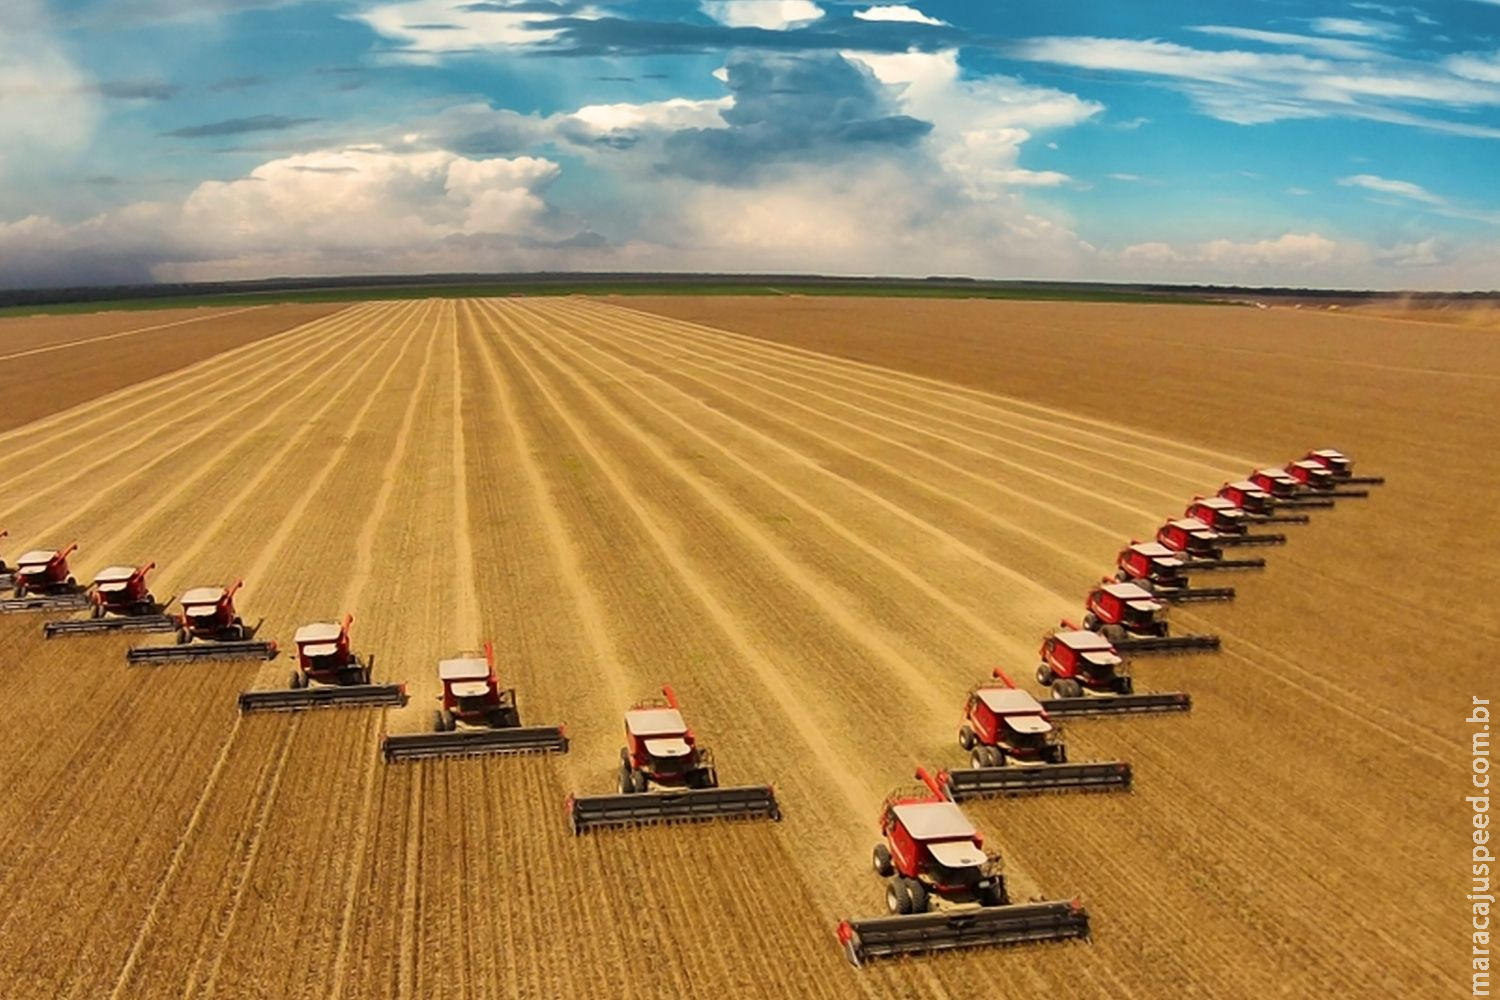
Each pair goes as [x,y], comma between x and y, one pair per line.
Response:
[776,15]
[896,12]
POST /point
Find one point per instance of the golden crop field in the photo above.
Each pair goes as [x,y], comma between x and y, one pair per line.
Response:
[823,521]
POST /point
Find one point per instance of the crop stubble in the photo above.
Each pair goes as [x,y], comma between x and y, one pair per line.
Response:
[819,555]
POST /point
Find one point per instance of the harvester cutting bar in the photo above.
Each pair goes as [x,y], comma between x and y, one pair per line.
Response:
[987,782]
[93,626]
[1121,704]
[474,742]
[192,652]
[1303,502]
[1340,494]
[1363,480]
[590,812]
[1165,643]
[350,696]
[947,930]
[1188,595]
[1213,565]
[1237,541]
[1280,519]
[46,602]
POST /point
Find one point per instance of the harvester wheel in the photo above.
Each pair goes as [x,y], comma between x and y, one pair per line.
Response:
[995,895]
[97,611]
[1114,633]
[1044,675]
[298,681]
[897,897]
[880,859]
[182,637]
[1091,621]
[1067,688]
[627,787]
[918,893]
[445,721]
[20,588]
[1124,685]
[640,782]
[966,738]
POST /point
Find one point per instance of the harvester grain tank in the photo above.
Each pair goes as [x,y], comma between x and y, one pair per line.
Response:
[944,891]
[122,602]
[43,582]
[1154,567]
[1196,546]
[476,717]
[667,776]
[327,674]
[1014,749]
[209,629]
[1134,621]
[1341,466]
[1087,677]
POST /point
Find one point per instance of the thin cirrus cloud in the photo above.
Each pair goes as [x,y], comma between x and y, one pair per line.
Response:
[1413,192]
[239,126]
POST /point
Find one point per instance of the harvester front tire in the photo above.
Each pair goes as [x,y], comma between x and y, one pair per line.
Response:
[1091,621]
[627,787]
[1044,675]
[640,782]
[880,860]
[1067,688]
[995,895]
[897,897]
[1114,633]
[918,893]
[966,738]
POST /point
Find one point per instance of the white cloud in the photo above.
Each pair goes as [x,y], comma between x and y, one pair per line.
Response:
[1124,177]
[776,15]
[1482,66]
[1404,189]
[979,126]
[1337,48]
[46,107]
[675,113]
[428,29]
[896,12]
[1354,28]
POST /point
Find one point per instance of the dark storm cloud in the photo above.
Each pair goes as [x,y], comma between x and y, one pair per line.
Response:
[615,36]
[802,108]
[239,126]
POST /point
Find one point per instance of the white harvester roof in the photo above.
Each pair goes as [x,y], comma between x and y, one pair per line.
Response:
[113,578]
[1135,596]
[934,821]
[1273,473]
[202,595]
[1245,486]
[1308,464]
[1194,526]
[319,638]
[1092,646]
[1219,504]
[1155,550]
[466,676]
[35,558]
[1333,453]
[661,729]
[1028,724]
[1009,701]
[956,853]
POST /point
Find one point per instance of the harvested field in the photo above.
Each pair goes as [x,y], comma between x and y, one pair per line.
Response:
[822,556]
[51,363]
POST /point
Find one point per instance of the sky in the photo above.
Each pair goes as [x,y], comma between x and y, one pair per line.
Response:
[1254,142]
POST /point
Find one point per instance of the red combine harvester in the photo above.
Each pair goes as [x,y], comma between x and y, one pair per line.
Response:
[1134,621]
[1229,521]
[122,603]
[327,673]
[1087,677]
[945,892]
[1156,568]
[1316,478]
[1341,466]
[477,717]
[7,573]
[1004,725]
[1196,546]
[666,776]
[1258,505]
[43,582]
[209,629]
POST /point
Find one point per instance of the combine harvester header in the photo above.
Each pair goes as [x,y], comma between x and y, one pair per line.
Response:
[43,582]
[1014,750]
[209,629]
[121,603]
[327,674]
[477,717]
[944,891]
[665,777]
[1341,467]
[1087,677]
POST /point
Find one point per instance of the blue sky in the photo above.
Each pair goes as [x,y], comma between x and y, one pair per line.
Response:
[1346,144]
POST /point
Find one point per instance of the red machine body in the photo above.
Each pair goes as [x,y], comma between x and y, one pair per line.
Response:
[1002,723]
[1277,482]
[472,694]
[122,590]
[1120,610]
[1311,474]
[1189,537]
[660,749]
[1150,564]
[930,848]
[208,613]
[1075,661]
[1219,514]
[1247,496]
[324,656]
[45,571]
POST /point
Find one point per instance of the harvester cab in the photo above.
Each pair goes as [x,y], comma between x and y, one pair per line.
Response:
[1277,482]
[476,716]
[43,582]
[1247,496]
[1152,566]
[1190,538]
[944,891]
[1003,725]
[209,629]
[327,674]
[1341,466]
[1076,662]
[122,602]
[666,776]
[1232,523]
[1131,618]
